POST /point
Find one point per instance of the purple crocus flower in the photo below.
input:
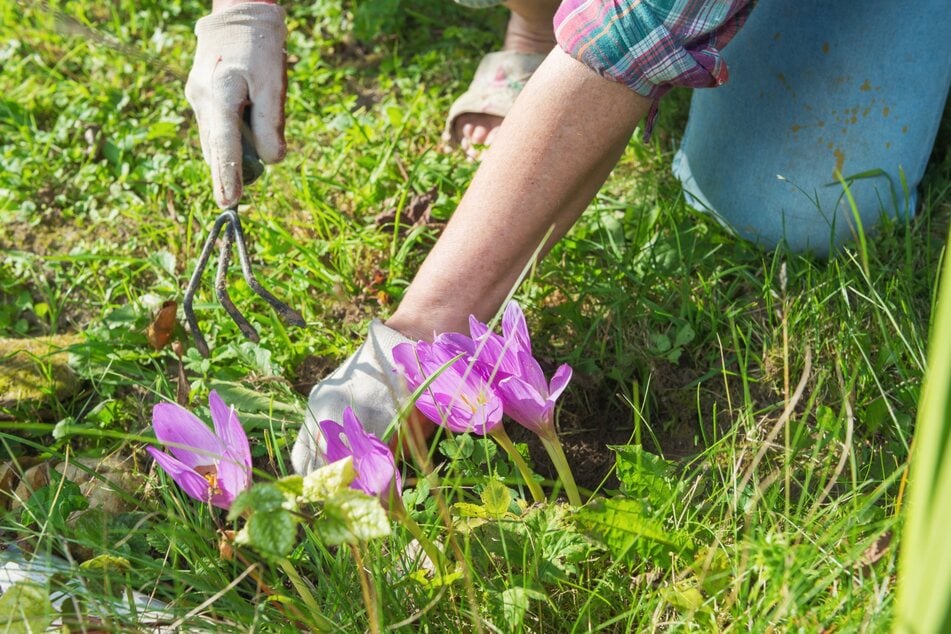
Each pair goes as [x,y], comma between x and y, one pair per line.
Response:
[507,361]
[459,395]
[372,459]
[212,467]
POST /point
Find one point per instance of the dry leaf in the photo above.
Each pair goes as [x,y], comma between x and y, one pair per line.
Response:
[226,545]
[163,326]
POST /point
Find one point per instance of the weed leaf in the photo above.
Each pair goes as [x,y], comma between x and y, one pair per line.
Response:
[25,607]
[623,527]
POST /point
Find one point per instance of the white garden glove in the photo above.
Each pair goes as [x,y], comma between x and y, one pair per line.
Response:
[367,382]
[239,62]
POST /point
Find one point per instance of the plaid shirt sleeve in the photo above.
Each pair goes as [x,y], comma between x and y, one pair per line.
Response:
[651,45]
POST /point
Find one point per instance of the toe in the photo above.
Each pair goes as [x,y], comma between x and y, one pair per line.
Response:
[478,135]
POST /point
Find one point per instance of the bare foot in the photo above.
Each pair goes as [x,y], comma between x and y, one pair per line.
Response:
[529,31]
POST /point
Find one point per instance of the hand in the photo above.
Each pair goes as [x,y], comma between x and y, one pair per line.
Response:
[239,63]
[367,382]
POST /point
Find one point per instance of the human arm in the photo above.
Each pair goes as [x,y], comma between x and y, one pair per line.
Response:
[554,151]
[560,141]
[525,185]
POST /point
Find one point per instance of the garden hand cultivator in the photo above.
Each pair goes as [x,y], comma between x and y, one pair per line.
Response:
[228,220]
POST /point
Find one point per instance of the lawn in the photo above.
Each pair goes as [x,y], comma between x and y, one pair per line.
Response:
[738,422]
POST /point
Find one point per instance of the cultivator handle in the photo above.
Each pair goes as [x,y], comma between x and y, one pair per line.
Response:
[251,169]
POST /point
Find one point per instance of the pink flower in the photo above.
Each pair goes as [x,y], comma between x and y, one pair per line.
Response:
[373,461]
[458,395]
[212,467]
[507,361]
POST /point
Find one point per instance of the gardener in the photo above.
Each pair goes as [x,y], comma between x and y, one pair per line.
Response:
[803,107]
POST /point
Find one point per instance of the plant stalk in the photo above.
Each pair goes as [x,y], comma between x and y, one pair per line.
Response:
[557,454]
[320,621]
[398,513]
[368,595]
[500,436]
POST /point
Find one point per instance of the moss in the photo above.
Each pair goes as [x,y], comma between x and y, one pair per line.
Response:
[36,371]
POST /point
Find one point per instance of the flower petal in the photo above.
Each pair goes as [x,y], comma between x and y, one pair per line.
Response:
[333,433]
[515,327]
[358,437]
[531,372]
[522,402]
[456,342]
[406,360]
[476,328]
[229,429]
[488,418]
[559,381]
[185,477]
[233,478]
[189,439]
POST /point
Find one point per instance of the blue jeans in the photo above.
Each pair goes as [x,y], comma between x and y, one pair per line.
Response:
[819,87]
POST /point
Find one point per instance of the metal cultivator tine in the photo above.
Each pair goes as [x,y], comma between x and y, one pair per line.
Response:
[233,235]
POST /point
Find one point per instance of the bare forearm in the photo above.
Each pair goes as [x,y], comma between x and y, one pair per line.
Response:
[554,151]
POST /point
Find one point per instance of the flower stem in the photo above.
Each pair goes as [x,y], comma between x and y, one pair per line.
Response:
[398,512]
[368,595]
[557,454]
[319,620]
[500,436]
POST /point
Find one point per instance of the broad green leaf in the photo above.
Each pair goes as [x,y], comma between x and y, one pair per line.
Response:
[561,547]
[644,476]
[683,595]
[423,578]
[263,497]
[54,502]
[272,533]
[247,401]
[327,481]
[660,342]
[622,526]
[457,447]
[685,334]
[373,17]
[25,608]
[467,509]
[496,499]
[352,517]
[514,604]
[292,485]
[712,567]
[107,563]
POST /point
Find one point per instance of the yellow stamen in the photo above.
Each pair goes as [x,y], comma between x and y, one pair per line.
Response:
[210,474]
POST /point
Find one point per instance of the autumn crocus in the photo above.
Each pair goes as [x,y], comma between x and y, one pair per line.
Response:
[210,466]
[377,474]
[372,459]
[527,397]
[458,396]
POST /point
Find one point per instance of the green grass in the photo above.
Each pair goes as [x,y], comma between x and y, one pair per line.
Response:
[781,391]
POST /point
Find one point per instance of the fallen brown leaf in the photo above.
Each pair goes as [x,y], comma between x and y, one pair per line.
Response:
[163,326]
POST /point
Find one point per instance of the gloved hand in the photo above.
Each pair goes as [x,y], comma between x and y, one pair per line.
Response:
[367,382]
[239,63]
